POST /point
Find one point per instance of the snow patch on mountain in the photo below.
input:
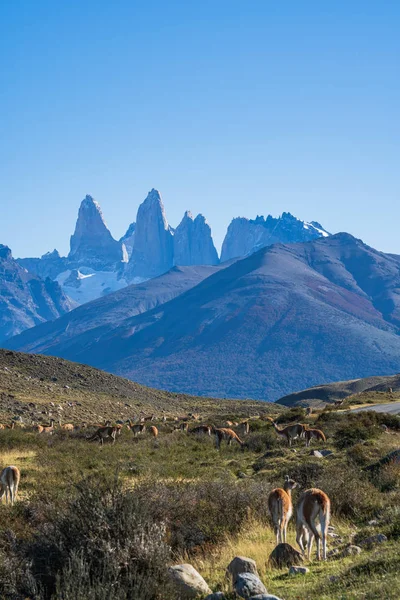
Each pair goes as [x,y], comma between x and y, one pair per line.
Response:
[86,284]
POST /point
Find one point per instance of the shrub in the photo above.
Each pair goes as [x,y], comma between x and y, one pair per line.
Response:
[351,494]
[297,413]
[358,428]
[106,542]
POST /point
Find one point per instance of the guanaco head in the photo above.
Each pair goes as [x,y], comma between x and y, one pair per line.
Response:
[289,484]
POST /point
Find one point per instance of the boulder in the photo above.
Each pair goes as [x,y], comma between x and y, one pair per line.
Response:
[379,538]
[216,596]
[316,453]
[188,582]
[350,550]
[265,597]
[247,585]
[241,564]
[298,571]
[284,555]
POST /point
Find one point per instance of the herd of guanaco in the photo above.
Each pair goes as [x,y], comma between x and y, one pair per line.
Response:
[313,506]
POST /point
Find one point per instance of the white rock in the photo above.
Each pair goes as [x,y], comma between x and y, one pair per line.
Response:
[298,571]
[188,582]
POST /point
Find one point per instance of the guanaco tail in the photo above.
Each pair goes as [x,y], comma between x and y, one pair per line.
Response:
[281,508]
[9,481]
[313,505]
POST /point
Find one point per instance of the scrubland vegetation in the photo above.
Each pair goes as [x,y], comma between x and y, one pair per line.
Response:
[97,522]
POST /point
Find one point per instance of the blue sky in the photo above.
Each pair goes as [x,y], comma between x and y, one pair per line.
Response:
[227,107]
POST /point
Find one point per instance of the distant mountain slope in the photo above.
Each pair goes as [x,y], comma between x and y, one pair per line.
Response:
[83,324]
[36,388]
[25,299]
[342,389]
[283,319]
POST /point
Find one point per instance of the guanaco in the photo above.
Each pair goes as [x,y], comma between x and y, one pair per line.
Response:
[45,428]
[313,504]
[103,433]
[244,428]
[317,434]
[281,508]
[228,435]
[67,426]
[9,481]
[184,426]
[201,429]
[136,428]
[290,432]
[153,431]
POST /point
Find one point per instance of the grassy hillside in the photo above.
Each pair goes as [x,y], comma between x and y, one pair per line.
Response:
[381,388]
[38,387]
[113,518]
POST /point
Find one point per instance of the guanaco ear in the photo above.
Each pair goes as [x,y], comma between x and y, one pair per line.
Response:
[287,477]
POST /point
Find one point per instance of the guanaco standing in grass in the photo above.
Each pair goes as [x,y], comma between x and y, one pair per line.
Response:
[244,428]
[67,426]
[313,505]
[201,429]
[223,433]
[45,428]
[9,481]
[281,508]
[317,434]
[290,432]
[153,431]
[103,433]
[136,428]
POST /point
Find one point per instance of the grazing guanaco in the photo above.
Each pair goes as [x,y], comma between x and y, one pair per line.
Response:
[317,434]
[281,508]
[145,419]
[338,403]
[136,428]
[226,434]
[290,432]
[184,426]
[9,481]
[45,428]
[103,433]
[153,431]
[313,505]
[67,426]
[244,428]
[201,429]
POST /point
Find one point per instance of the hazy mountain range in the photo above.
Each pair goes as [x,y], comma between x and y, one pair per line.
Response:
[284,318]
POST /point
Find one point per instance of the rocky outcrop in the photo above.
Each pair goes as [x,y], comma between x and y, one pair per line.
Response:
[48,265]
[129,238]
[245,236]
[92,244]
[25,299]
[193,244]
[153,250]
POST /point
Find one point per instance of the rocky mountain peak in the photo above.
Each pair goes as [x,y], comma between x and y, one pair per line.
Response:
[5,252]
[245,236]
[193,244]
[152,252]
[92,243]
